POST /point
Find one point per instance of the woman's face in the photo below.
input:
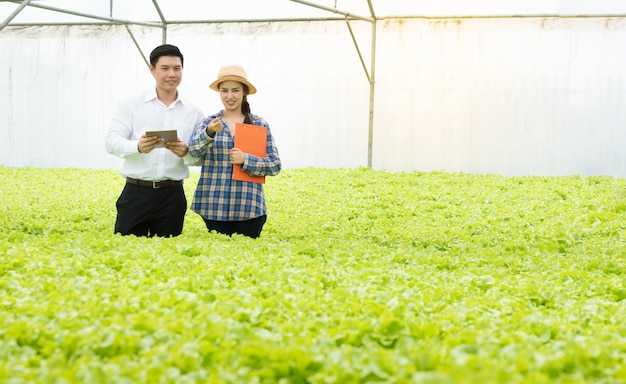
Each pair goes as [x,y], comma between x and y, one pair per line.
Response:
[231,93]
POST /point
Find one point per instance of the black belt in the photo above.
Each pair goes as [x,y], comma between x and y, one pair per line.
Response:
[154,184]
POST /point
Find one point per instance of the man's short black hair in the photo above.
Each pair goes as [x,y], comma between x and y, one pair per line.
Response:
[165,50]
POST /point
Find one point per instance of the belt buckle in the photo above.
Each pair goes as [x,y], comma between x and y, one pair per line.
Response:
[155,185]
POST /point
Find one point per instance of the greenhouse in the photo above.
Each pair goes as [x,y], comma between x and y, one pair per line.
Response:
[515,88]
[451,206]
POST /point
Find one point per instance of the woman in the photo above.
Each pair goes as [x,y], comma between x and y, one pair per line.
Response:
[231,206]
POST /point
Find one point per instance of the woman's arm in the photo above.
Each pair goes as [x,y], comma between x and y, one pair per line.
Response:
[269,165]
[203,136]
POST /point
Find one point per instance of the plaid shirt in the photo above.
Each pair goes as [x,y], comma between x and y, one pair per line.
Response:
[218,197]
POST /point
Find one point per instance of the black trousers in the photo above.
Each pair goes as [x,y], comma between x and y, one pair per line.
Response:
[251,228]
[146,211]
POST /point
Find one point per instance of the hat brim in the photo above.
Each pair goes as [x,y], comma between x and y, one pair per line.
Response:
[214,85]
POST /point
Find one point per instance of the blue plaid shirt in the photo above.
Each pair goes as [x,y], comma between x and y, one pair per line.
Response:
[218,197]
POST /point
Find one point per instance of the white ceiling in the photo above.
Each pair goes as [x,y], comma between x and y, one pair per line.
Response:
[199,10]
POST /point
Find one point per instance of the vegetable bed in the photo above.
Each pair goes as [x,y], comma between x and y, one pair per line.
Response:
[360,276]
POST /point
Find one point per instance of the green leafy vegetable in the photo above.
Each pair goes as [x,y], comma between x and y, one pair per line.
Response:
[360,276]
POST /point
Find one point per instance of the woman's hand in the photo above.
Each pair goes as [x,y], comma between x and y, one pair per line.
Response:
[237,156]
[214,127]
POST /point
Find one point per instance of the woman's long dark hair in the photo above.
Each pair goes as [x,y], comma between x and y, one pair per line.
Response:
[245,106]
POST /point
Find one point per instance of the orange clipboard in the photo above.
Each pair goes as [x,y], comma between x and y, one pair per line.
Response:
[251,139]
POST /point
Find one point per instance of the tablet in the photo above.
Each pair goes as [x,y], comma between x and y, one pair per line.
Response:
[166,136]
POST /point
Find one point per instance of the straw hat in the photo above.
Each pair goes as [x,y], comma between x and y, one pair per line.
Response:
[233,73]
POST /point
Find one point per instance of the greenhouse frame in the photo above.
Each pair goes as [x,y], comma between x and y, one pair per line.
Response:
[522,88]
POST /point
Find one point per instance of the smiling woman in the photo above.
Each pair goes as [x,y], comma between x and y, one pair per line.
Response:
[230,195]
[377,276]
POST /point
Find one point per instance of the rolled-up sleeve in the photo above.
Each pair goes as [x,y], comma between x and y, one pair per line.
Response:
[200,142]
[269,165]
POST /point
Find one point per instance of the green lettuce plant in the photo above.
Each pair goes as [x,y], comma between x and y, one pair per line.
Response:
[360,276]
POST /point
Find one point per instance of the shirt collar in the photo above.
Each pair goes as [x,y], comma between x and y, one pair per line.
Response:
[151,94]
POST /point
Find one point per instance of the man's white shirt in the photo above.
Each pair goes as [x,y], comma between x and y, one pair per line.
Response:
[145,112]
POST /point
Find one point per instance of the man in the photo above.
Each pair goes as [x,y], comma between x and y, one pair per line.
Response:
[153,201]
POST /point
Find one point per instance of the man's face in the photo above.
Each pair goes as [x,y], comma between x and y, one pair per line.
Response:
[168,73]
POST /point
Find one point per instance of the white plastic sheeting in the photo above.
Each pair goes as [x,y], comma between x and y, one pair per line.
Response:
[509,96]
[481,95]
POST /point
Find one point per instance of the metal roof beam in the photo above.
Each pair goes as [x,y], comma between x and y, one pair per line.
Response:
[334,10]
[86,15]
[14,13]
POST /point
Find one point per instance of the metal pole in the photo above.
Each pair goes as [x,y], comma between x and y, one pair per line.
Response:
[15,13]
[370,133]
[372,13]
[357,49]
[370,75]
[370,136]
[137,45]
[347,14]
[163,21]
[88,16]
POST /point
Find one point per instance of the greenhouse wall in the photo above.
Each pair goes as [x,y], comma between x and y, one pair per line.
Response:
[512,96]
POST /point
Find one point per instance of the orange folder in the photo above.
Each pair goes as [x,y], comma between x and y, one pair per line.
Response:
[251,139]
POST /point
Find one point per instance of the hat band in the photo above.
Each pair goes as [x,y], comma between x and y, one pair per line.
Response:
[239,77]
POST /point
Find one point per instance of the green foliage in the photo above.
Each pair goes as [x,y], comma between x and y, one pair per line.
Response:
[359,276]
